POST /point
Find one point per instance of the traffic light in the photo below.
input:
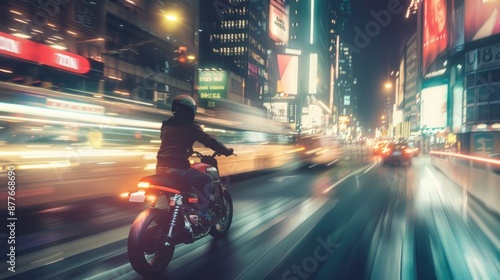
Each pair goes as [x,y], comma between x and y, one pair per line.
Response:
[181,56]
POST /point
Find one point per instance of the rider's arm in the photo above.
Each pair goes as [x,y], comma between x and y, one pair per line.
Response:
[210,142]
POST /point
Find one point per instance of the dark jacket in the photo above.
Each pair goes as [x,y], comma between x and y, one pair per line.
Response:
[177,139]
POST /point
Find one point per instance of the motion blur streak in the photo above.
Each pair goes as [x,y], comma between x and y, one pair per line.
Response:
[480,159]
[92,118]
[445,203]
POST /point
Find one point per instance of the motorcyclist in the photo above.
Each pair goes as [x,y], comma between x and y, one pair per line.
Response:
[178,135]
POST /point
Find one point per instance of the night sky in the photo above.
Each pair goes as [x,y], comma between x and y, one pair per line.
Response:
[374,60]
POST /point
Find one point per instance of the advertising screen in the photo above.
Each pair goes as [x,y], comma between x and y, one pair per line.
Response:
[482,19]
[279,110]
[278,22]
[313,73]
[400,84]
[288,66]
[212,85]
[435,33]
[434,106]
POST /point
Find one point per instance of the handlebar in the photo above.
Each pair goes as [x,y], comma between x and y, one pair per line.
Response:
[215,154]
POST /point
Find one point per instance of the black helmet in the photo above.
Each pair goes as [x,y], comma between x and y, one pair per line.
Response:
[184,106]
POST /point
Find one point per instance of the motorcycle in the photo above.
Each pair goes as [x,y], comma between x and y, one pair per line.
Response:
[172,219]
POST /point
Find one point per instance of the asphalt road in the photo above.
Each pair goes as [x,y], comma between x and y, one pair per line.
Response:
[355,220]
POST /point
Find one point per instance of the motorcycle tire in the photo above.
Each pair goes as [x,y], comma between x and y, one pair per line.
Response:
[147,251]
[224,216]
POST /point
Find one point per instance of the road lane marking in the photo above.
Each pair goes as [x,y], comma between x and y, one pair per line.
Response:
[356,172]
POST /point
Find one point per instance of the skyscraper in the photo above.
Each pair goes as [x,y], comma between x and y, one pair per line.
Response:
[310,31]
[233,37]
[345,81]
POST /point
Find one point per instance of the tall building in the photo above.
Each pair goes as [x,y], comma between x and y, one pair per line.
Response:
[345,81]
[334,100]
[310,29]
[233,37]
[410,84]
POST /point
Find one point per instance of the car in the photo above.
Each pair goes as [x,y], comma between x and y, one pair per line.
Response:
[377,148]
[415,151]
[396,153]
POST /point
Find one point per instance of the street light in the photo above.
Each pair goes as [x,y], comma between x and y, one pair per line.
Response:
[388,85]
[171,17]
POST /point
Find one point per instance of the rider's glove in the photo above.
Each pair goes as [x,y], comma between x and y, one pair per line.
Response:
[229,152]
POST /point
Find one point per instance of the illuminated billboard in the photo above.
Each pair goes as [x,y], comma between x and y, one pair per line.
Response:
[482,19]
[279,110]
[212,85]
[400,84]
[313,73]
[288,67]
[435,32]
[278,22]
[347,100]
[434,106]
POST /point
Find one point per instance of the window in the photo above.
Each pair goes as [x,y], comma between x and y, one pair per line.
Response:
[495,112]
[482,113]
[483,94]
[470,81]
[470,114]
[495,94]
[471,96]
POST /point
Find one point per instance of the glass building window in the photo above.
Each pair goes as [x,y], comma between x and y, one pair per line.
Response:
[495,94]
[471,96]
[482,113]
[495,112]
[470,81]
[495,76]
[483,94]
[470,114]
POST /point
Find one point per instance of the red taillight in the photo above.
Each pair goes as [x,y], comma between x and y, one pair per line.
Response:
[166,189]
[146,185]
[193,200]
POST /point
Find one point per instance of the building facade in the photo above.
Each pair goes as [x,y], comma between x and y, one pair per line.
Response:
[127,48]
[233,37]
[459,100]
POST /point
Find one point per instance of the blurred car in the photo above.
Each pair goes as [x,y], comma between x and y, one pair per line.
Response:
[415,151]
[396,153]
[378,147]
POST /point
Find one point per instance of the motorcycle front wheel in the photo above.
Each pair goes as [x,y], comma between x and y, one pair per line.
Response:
[224,216]
[147,251]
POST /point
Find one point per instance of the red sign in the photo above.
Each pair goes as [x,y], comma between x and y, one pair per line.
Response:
[74,106]
[28,50]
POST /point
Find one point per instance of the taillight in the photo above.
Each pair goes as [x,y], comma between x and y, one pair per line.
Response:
[151,197]
[146,185]
[193,200]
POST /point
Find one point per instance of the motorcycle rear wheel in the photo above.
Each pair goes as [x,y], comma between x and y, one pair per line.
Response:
[147,251]
[224,216]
